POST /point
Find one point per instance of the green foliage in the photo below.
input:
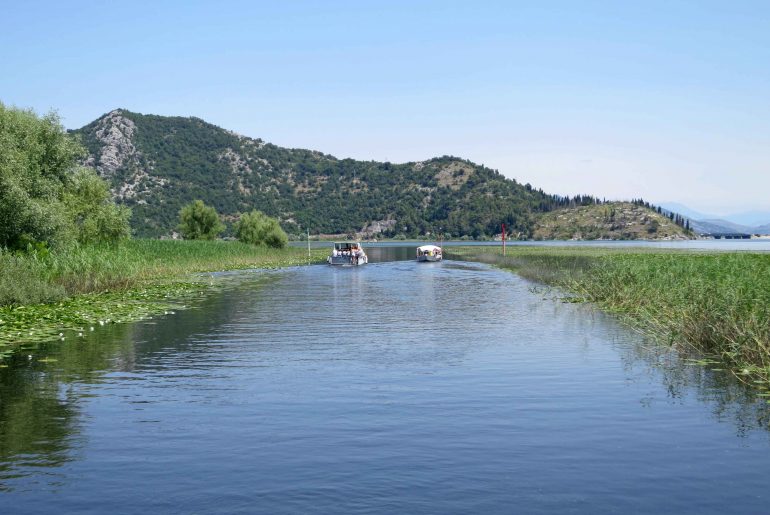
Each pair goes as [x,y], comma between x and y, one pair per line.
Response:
[23,281]
[122,282]
[199,222]
[36,156]
[234,174]
[44,198]
[257,228]
[95,217]
[190,159]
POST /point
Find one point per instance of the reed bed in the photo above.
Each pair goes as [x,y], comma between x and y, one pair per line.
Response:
[44,295]
[86,269]
[714,304]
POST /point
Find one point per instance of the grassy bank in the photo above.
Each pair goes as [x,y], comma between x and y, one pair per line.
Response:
[714,304]
[44,294]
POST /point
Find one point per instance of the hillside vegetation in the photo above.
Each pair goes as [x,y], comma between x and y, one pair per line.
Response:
[609,221]
[157,164]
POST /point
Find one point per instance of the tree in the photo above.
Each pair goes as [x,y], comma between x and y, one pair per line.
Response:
[199,222]
[257,228]
[36,158]
[95,218]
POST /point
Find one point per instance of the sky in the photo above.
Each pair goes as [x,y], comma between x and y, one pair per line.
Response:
[669,101]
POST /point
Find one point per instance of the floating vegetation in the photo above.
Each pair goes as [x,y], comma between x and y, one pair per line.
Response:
[100,285]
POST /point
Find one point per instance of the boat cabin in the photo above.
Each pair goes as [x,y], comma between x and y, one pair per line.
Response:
[347,253]
[429,253]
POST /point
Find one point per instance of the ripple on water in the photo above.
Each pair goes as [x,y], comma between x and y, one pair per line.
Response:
[435,388]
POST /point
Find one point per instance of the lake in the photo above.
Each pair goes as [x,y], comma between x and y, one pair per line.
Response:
[722,245]
[395,387]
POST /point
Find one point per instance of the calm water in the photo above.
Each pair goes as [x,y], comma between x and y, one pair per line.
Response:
[390,388]
[753,245]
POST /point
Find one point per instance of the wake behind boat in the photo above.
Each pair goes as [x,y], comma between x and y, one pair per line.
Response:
[347,253]
[429,253]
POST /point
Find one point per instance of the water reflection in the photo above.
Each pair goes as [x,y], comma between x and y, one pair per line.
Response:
[729,400]
[43,387]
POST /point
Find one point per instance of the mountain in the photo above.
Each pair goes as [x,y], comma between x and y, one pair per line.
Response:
[685,211]
[718,227]
[729,226]
[749,222]
[157,164]
[750,218]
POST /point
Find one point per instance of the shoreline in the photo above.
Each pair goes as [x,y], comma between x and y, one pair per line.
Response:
[711,305]
[134,281]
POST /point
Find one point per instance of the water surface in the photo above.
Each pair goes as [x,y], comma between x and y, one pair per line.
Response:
[395,387]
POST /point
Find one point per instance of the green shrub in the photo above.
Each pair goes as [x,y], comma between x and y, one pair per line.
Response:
[199,222]
[23,282]
[95,218]
[257,228]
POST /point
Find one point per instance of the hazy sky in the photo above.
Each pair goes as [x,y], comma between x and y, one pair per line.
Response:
[665,100]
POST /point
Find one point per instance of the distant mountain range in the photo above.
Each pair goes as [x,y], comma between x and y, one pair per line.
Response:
[748,222]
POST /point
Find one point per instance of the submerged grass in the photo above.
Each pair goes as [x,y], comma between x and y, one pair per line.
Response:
[714,304]
[43,295]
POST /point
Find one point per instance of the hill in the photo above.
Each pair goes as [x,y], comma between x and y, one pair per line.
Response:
[609,221]
[157,164]
[748,222]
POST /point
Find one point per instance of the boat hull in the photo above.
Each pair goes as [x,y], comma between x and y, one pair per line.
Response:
[347,261]
[428,259]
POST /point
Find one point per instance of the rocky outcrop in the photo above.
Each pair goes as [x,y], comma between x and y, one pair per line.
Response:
[454,175]
[118,154]
[376,227]
[115,132]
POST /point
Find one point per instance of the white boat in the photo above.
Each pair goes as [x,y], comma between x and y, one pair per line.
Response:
[429,253]
[347,253]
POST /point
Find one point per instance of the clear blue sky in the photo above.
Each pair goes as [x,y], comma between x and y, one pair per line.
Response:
[665,100]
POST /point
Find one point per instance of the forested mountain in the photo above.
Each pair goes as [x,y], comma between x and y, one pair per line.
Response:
[157,164]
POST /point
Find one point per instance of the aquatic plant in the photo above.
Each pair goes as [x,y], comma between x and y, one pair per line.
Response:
[715,304]
[43,295]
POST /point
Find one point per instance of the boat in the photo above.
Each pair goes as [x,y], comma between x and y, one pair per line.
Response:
[347,253]
[429,253]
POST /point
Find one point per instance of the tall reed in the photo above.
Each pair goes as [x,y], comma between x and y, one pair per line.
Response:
[43,277]
[712,303]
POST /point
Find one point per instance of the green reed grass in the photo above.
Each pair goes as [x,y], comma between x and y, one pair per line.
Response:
[87,269]
[715,303]
[43,294]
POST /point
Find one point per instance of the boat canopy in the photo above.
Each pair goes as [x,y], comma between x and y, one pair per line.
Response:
[347,245]
[429,248]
